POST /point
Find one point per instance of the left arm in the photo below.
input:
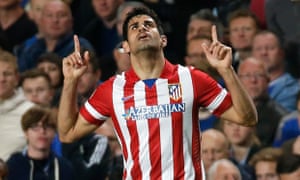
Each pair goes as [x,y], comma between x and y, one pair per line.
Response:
[243,110]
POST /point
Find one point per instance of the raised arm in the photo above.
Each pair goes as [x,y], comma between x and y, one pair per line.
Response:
[71,125]
[219,56]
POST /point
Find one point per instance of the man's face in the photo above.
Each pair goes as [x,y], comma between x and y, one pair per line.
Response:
[266,47]
[39,137]
[56,19]
[38,90]
[236,133]
[198,27]
[227,172]
[35,11]
[241,32]
[254,77]
[213,148]
[106,9]
[53,72]
[266,170]
[88,81]
[8,80]
[195,54]
[143,35]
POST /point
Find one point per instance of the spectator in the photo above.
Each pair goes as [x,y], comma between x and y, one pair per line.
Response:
[200,24]
[265,163]
[223,169]
[103,35]
[90,156]
[116,160]
[243,142]
[35,14]
[56,27]
[37,161]
[255,78]
[122,59]
[195,56]
[288,166]
[289,128]
[13,105]
[243,25]
[37,87]
[283,88]
[215,146]
[51,64]
[16,26]
[89,80]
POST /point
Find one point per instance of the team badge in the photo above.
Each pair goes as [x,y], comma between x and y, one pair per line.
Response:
[175,91]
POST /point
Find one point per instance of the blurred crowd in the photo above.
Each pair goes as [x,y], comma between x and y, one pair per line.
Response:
[35,36]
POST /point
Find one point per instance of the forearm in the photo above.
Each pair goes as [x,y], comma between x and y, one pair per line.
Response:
[68,110]
[242,102]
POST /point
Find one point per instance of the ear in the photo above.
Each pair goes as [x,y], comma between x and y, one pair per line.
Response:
[164,41]
[125,46]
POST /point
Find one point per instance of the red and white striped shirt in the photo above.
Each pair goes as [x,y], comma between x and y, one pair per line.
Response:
[157,126]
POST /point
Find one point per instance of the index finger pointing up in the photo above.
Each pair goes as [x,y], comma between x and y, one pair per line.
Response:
[76,44]
[214,35]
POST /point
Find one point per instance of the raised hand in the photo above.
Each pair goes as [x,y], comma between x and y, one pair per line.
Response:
[217,54]
[75,65]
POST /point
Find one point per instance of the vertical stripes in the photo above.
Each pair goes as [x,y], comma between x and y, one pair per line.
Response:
[177,135]
[166,131]
[187,126]
[154,139]
[122,131]
[143,134]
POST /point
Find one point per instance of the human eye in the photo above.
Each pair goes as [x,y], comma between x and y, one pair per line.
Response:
[133,26]
[149,24]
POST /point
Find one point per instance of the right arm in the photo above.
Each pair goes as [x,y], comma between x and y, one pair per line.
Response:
[71,125]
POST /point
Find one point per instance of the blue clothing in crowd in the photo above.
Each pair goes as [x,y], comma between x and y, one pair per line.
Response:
[284,91]
[22,167]
[31,49]
[288,130]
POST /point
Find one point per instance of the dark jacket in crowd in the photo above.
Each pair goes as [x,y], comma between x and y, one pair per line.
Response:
[22,167]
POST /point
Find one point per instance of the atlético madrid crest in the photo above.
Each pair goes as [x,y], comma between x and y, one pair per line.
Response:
[175,91]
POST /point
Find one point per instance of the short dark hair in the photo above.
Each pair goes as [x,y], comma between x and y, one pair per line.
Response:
[288,163]
[34,73]
[36,114]
[50,57]
[141,11]
[244,13]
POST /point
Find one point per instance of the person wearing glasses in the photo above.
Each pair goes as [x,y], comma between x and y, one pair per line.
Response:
[37,161]
[255,78]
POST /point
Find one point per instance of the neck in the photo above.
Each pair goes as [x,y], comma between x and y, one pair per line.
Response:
[9,16]
[274,73]
[240,152]
[148,65]
[244,53]
[50,44]
[109,23]
[38,153]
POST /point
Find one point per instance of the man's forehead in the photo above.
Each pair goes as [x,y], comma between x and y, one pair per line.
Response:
[140,18]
